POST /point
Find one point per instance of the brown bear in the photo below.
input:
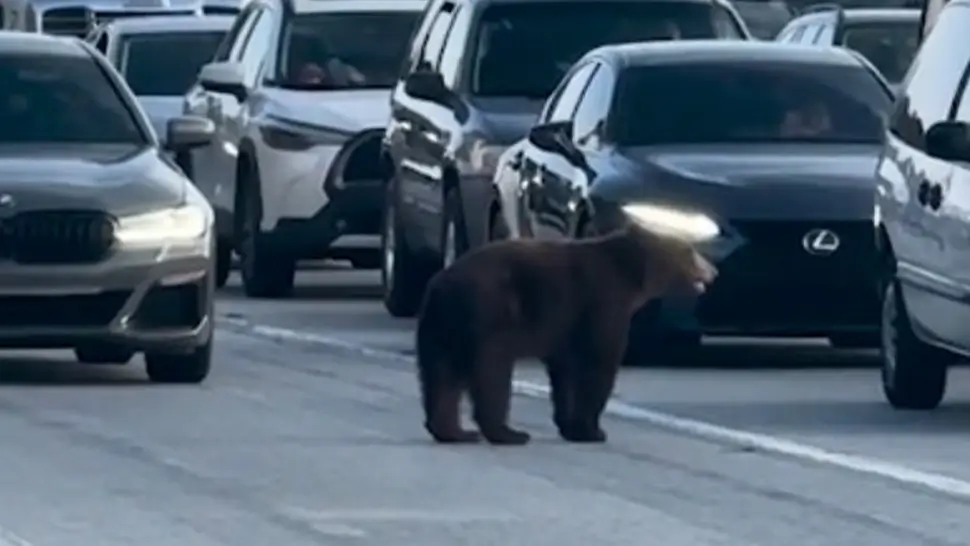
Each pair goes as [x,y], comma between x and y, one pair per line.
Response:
[567,303]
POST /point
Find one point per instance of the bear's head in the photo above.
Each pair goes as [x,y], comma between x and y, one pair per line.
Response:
[664,264]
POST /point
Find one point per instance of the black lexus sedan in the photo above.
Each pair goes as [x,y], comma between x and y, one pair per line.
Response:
[763,153]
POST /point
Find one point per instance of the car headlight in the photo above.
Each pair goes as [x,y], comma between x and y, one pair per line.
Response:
[181,224]
[694,226]
[292,136]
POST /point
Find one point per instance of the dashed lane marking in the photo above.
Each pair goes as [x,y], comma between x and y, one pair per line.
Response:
[939,483]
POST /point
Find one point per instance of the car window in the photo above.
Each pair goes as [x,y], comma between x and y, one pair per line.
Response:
[749,102]
[890,46]
[344,50]
[563,105]
[929,87]
[590,117]
[524,49]
[101,44]
[764,19]
[450,63]
[166,63]
[826,34]
[62,99]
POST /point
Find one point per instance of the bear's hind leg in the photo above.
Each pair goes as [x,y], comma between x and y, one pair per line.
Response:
[491,394]
[441,395]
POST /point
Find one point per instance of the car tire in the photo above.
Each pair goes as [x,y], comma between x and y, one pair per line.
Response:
[855,340]
[223,262]
[454,233]
[265,273]
[404,273]
[103,354]
[175,368]
[914,373]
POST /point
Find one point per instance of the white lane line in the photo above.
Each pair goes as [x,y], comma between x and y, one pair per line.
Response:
[709,431]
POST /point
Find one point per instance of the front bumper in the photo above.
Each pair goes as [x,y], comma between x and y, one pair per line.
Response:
[768,285]
[143,300]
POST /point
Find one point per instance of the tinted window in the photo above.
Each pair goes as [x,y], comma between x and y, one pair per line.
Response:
[889,46]
[763,102]
[764,19]
[523,50]
[931,82]
[62,100]
[166,63]
[565,102]
[345,50]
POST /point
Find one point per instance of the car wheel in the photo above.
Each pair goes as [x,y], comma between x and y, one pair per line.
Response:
[184,368]
[223,262]
[265,273]
[103,354]
[855,340]
[454,235]
[914,373]
[404,274]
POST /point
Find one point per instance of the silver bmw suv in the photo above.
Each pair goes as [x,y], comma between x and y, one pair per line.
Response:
[105,246]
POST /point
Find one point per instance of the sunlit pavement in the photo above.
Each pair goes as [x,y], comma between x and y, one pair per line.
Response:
[308,433]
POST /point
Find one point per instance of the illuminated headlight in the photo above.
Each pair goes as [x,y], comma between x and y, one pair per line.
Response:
[183,224]
[688,225]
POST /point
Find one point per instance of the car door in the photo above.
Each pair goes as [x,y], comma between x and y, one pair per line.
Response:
[235,114]
[534,174]
[426,129]
[211,165]
[912,185]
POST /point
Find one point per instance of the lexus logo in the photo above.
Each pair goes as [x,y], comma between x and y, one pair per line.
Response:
[821,242]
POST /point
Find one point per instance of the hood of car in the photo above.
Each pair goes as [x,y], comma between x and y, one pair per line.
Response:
[352,110]
[160,110]
[119,179]
[791,181]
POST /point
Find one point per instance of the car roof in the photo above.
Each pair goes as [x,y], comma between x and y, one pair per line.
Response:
[351,6]
[864,15]
[718,51]
[20,42]
[604,2]
[170,23]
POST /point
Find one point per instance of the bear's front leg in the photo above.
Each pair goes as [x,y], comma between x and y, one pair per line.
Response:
[595,380]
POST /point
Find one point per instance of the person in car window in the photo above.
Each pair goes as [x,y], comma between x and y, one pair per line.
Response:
[317,66]
[806,120]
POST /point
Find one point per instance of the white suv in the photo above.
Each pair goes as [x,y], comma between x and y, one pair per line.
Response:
[300,95]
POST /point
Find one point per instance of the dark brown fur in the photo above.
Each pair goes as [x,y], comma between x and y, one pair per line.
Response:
[566,303]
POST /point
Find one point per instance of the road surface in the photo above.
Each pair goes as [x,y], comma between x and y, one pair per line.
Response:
[308,433]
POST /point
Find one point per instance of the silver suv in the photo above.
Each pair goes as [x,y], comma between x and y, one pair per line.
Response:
[922,215]
[105,246]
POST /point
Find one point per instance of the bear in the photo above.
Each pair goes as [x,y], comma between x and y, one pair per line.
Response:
[568,303]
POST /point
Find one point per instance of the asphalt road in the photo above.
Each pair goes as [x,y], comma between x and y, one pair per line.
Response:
[308,433]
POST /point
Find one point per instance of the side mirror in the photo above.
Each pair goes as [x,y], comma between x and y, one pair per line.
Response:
[186,132]
[428,85]
[557,137]
[949,140]
[226,78]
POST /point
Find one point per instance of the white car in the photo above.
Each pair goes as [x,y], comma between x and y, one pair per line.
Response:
[79,17]
[160,57]
[300,95]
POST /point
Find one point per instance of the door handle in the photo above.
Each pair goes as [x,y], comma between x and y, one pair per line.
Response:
[923,193]
[935,198]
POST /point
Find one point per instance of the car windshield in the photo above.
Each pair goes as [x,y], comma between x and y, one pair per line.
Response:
[765,18]
[524,49]
[166,63]
[345,50]
[752,102]
[62,99]
[890,46]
